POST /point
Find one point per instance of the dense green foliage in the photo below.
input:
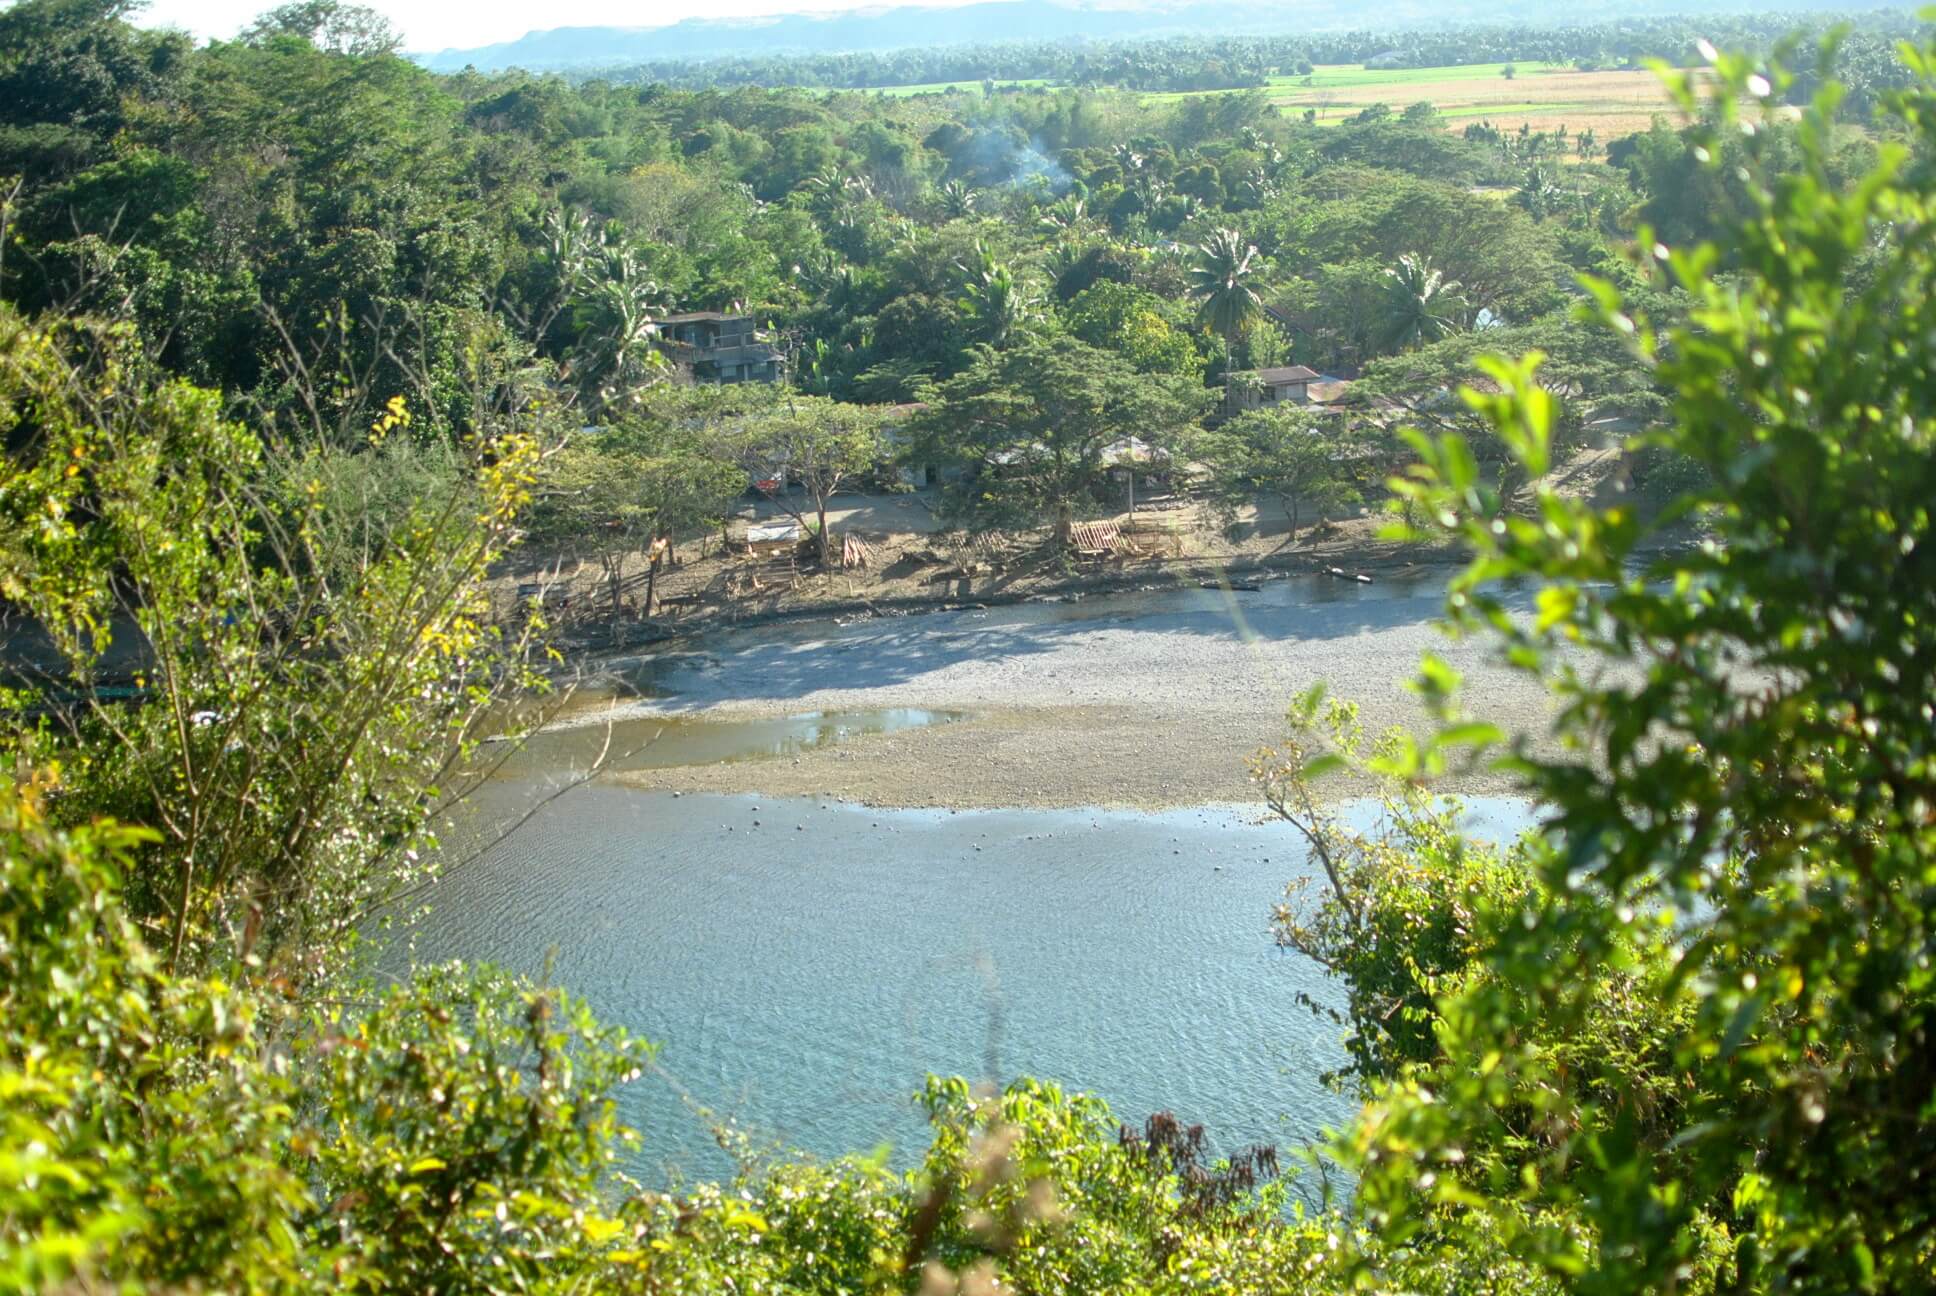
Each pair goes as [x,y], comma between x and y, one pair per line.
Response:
[1676,1040]
[1693,1036]
[183,1132]
[311,225]
[1224,62]
[301,208]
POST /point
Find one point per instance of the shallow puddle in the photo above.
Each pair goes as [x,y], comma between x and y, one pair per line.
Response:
[637,742]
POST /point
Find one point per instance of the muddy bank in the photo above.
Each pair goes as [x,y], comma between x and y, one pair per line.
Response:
[1036,758]
[709,588]
[1147,703]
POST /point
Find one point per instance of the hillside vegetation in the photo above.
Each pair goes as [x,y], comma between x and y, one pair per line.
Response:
[300,341]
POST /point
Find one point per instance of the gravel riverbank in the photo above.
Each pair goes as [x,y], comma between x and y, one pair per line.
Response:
[1146,703]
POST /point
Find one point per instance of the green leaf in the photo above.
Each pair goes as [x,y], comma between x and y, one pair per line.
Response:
[1472,733]
[1319,766]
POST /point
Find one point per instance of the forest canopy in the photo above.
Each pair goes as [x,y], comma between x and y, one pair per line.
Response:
[299,340]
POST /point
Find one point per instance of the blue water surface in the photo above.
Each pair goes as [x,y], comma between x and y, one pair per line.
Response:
[804,964]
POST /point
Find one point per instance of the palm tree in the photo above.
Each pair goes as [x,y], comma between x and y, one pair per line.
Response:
[1221,283]
[958,200]
[1421,305]
[997,304]
[832,191]
[609,301]
[1067,214]
[826,192]
[996,301]
[1540,194]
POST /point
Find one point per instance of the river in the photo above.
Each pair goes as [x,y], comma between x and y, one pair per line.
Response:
[804,962]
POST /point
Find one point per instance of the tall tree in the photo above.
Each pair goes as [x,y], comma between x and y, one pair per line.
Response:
[822,444]
[1299,458]
[1421,305]
[329,25]
[1223,283]
[1032,427]
[632,490]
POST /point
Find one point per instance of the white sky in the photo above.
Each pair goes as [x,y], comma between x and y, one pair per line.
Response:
[431,25]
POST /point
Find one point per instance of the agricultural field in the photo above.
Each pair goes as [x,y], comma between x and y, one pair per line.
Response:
[1545,97]
[1611,104]
[948,87]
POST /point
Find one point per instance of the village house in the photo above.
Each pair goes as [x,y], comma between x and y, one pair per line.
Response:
[914,475]
[714,347]
[1262,388]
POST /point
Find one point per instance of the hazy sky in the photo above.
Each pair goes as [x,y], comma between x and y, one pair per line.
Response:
[443,24]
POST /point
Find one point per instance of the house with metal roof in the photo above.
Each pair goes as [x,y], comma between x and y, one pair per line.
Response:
[1262,388]
[715,347]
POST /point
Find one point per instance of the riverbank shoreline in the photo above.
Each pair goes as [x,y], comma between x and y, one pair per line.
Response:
[1048,758]
[1142,701]
[1345,564]
[909,573]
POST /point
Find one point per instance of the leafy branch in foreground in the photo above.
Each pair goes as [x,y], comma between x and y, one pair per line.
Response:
[1399,912]
[282,703]
[1736,853]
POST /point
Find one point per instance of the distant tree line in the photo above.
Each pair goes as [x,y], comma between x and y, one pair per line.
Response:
[1195,63]
[301,341]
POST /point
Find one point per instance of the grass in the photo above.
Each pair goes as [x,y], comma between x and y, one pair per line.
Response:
[1611,104]
[943,87]
[1542,96]
[1345,76]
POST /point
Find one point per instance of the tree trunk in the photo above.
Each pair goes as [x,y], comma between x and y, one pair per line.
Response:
[826,550]
[1062,524]
[614,565]
[651,582]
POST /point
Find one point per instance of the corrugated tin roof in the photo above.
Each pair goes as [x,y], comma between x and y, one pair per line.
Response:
[1093,537]
[772,532]
[1131,449]
[1287,374]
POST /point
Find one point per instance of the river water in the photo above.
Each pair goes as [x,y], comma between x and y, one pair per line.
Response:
[804,964]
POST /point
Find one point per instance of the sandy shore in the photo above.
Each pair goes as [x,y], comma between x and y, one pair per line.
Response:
[1148,704]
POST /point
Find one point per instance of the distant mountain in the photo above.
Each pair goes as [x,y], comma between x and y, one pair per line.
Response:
[990,22]
[885,29]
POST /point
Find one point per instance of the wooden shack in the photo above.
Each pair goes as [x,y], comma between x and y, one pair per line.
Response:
[1153,534]
[775,537]
[1093,539]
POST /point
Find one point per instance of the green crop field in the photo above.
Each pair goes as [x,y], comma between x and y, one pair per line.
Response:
[943,87]
[1352,75]
[1611,104]
[1544,96]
